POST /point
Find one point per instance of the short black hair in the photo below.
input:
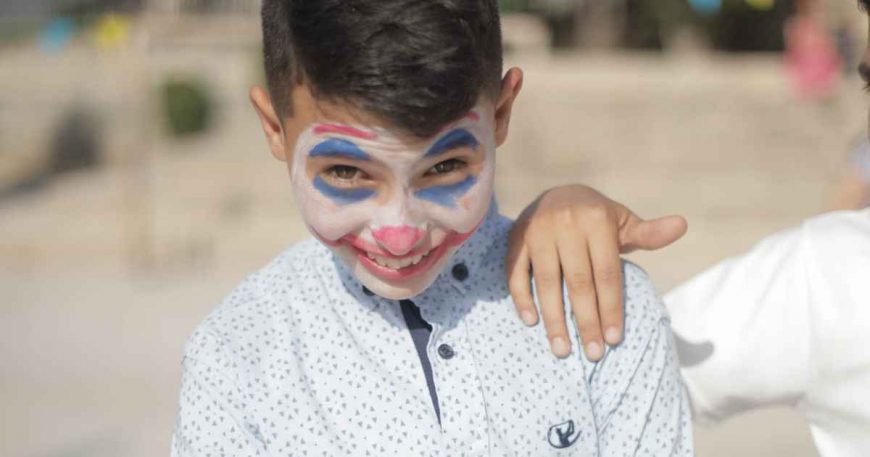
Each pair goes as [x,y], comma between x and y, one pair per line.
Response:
[418,64]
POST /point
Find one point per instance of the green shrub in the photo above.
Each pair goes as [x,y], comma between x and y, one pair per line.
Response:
[187,106]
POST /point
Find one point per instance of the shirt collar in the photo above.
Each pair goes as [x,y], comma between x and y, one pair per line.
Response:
[456,276]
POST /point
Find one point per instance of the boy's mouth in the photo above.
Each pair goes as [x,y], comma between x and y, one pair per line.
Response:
[399,268]
[394,268]
[397,264]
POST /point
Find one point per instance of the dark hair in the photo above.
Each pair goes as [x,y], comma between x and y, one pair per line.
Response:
[418,64]
[864,4]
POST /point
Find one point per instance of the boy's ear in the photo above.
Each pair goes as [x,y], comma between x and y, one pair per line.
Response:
[272,126]
[511,86]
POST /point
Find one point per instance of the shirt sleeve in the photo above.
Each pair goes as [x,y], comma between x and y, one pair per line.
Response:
[213,420]
[639,400]
[743,329]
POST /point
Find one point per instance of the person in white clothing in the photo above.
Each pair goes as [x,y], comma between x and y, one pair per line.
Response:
[786,323]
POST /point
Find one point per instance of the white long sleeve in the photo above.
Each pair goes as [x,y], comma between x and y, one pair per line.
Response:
[788,323]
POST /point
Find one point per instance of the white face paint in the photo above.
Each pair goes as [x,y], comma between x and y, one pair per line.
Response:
[395,210]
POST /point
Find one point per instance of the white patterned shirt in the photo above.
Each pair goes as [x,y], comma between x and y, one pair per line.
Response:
[299,360]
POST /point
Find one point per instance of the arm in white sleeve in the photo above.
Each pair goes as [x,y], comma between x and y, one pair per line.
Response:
[743,327]
[786,323]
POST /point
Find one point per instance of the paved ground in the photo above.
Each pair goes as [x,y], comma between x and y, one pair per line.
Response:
[104,274]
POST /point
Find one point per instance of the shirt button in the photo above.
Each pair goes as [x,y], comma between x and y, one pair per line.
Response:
[446,352]
[460,272]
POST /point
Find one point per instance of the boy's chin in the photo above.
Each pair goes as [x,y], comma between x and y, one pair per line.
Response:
[397,285]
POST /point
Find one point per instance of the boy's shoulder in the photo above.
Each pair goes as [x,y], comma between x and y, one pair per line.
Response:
[645,321]
[641,299]
[264,297]
[642,304]
[646,354]
[645,313]
[840,232]
[287,274]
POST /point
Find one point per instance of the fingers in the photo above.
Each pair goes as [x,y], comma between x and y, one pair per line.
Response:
[548,283]
[607,273]
[577,271]
[519,282]
[653,234]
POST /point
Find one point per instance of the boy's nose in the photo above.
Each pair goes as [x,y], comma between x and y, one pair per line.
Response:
[398,240]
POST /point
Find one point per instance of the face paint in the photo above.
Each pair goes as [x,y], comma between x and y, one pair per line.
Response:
[454,139]
[448,195]
[379,201]
[339,148]
[342,196]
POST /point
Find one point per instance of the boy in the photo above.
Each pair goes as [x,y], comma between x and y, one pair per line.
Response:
[393,332]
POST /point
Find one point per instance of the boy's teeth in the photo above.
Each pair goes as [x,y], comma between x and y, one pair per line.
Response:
[396,264]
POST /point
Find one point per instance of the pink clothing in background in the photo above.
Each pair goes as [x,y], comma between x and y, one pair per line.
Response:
[811,59]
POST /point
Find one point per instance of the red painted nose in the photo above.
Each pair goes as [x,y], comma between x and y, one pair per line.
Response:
[398,240]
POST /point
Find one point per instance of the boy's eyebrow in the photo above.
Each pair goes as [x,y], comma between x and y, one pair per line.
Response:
[455,139]
[335,147]
[323,129]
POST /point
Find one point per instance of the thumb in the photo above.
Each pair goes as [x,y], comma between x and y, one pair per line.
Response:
[651,235]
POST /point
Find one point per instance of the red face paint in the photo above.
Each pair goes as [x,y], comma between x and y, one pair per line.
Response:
[398,240]
[324,129]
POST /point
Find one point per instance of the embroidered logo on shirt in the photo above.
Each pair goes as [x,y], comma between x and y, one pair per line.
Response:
[563,435]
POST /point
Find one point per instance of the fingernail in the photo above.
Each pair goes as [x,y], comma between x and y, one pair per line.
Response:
[593,351]
[560,347]
[613,336]
[529,318]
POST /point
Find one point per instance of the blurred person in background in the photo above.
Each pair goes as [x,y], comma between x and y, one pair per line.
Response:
[812,60]
[842,24]
[786,323]
[854,189]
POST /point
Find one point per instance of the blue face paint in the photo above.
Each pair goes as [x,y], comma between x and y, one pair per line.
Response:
[447,195]
[342,196]
[335,148]
[455,139]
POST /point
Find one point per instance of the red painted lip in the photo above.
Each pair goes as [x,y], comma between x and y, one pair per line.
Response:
[361,248]
[390,274]
[432,258]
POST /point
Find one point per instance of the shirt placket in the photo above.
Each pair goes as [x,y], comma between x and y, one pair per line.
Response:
[460,394]
[463,409]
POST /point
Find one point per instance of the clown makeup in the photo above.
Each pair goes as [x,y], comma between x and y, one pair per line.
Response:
[395,209]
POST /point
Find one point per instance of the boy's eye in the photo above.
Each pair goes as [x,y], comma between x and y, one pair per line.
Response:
[344,172]
[446,166]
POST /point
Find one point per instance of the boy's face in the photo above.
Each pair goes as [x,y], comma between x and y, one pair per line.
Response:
[393,207]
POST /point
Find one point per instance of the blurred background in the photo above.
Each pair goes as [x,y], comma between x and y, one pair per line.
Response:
[136,189]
